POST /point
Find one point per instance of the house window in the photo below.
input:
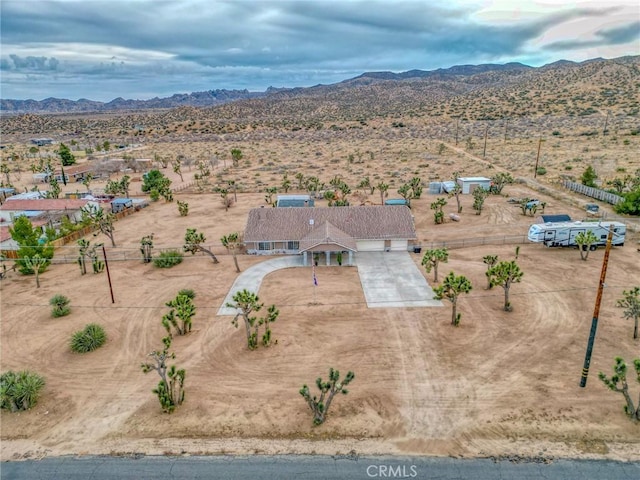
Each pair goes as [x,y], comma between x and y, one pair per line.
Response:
[264,245]
[293,245]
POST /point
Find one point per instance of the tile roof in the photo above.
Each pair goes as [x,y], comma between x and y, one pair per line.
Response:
[369,222]
[43,204]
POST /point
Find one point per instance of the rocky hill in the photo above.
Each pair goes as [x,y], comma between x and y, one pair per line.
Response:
[574,90]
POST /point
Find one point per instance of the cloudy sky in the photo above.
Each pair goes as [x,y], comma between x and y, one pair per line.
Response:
[145,48]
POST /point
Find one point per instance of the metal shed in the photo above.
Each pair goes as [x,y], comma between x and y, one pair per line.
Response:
[121,204]
[469,184]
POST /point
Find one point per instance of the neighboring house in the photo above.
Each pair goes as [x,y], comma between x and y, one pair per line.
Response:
[74,173]
[310,231]
[41,142]
[28,196]
[469,184]
[294,201]
[8,244]
[48,208]
[554,218]
[6,192]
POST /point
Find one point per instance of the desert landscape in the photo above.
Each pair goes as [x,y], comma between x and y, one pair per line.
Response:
[499,384]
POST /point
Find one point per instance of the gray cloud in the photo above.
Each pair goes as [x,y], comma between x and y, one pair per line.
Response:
[199,44]
[612,36]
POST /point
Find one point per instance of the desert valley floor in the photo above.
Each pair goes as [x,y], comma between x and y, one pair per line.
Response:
[502,383]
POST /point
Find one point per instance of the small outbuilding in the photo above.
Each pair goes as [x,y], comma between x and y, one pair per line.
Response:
[294,201]
[121,204]
[469,184]
[563,217]
[396,201]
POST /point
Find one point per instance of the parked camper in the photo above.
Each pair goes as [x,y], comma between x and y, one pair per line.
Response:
[563,234]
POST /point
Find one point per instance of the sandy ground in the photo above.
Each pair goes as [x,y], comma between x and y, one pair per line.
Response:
[499,384]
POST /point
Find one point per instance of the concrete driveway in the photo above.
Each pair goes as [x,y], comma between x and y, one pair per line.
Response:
[389,279]
[392,279]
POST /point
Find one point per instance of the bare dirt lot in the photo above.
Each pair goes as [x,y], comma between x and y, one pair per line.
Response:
[500,383]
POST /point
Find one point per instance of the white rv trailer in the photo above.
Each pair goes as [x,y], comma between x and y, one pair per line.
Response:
[563,234]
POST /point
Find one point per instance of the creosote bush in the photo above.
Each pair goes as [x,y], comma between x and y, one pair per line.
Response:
[168,259]
[92,337]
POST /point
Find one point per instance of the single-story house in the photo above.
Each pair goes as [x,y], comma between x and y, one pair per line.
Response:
[469,184]
[563,217]
[55,207]
[294,201]
[9,244]
[41,142]
[310,231]
[74,173]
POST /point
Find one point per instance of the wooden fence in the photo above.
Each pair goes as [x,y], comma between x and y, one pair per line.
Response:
[592,192]
[475,242]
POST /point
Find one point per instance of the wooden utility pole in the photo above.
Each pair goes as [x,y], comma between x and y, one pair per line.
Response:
[106,265]
[535,171]
[457,123]
[484,150]
[596,311]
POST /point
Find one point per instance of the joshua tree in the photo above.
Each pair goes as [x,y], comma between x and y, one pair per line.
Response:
[300,178]
[452,287]
[269,193]
[86,181]
[4,170]
[227,201]
[437,206]
[248,302]
[320,406]
[456,191]
[31,242]
[82,255]
[618,383]
[479,195]
[416,187]
[177,168]
[183,208]
[181,314]
[35,264]
[499,180]
[586,241]
[286,183]
[236,156]
[170,390]
[589,177]
[100,220]
[406,193]
[232,243]
[432,258]
[54,189]
[504,274]
[146,245]
[383,188]
[631,304]
[490,261]
[193,243]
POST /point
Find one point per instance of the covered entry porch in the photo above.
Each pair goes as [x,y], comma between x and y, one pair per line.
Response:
[329,242]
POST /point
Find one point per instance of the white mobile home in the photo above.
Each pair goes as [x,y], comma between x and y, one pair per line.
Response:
[563,234]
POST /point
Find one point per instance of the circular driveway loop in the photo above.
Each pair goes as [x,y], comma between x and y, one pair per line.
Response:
[389,280]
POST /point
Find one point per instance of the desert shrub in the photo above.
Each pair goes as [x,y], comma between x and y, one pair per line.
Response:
[92,337]
[541,170]
[19,390]
[168,259]
[187,292]
[60,305]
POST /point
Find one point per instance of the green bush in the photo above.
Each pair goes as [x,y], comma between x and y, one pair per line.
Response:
[187,292]
[92,337]
[19,391]
[541,170]
[168,259]
[60,305]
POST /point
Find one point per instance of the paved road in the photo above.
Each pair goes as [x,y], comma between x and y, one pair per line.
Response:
[295,467]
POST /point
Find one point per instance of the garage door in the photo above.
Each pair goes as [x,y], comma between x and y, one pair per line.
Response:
[370,245]
[398,245]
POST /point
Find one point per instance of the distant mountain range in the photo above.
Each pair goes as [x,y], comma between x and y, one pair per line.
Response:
[219,97]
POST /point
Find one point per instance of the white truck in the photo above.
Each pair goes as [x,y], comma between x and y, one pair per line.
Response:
[563,234]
